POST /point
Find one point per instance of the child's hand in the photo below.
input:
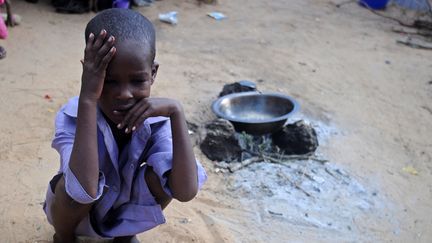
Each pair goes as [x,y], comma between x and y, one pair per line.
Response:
[98,53]
[148,107]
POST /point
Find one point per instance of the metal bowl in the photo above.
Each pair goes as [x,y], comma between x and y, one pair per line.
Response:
[254,112]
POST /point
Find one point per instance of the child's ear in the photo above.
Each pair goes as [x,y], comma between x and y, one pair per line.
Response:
[155,68]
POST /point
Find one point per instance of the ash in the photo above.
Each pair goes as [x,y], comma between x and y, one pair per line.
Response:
[311,193]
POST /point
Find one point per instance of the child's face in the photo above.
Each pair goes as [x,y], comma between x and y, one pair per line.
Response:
[129,77]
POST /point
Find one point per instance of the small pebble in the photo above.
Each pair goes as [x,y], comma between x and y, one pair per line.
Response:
[185,221]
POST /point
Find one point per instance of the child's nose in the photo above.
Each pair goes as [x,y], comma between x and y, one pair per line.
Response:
[125,92]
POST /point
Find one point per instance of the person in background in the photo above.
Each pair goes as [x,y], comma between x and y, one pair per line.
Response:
[9,21]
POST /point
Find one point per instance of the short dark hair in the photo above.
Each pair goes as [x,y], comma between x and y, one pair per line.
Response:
[124,24]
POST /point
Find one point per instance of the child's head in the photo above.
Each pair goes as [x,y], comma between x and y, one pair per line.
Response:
[132,70]
[126,26]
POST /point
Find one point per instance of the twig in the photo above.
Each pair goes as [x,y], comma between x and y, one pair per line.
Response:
[415,43]
[427,109]
[275,213]
[338,5]
[298,187]
[269,158]
[410,31]
[331,173]
[237,166]
[285,158]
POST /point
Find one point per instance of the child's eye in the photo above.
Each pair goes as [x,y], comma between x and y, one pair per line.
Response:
[139,81]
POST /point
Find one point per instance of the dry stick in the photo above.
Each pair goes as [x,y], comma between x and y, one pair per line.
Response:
[299,187]
[427,109]
[308,156]
[338,5]
[271,158]
[290,181]
[410,31]
[330,173]
[244,163]
[252,160]
[415,43]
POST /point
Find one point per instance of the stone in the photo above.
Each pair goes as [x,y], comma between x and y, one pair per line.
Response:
[296,138]
[220,142]
[237,87]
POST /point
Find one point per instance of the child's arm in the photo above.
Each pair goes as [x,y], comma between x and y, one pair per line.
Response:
[84,161]
[183,179]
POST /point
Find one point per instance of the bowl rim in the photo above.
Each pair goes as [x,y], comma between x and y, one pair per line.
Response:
[217,103]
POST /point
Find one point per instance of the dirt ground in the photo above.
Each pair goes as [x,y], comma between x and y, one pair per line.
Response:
[341,64]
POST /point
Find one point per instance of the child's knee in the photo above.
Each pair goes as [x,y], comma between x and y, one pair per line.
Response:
[64,207]
[62,199]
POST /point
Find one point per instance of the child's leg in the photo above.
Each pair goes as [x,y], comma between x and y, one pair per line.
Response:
[66,214]
[153,183]
[156,189]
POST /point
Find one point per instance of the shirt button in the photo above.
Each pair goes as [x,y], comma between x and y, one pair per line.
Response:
[132,166]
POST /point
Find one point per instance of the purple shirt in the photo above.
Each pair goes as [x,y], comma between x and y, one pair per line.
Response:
[123,204]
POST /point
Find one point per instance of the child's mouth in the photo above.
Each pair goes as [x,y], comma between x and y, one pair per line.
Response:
[121,111]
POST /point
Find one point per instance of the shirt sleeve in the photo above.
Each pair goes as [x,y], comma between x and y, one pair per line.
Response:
[63,142]
[160,155]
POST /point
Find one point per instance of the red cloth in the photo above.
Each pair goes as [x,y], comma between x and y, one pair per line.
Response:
[3,29]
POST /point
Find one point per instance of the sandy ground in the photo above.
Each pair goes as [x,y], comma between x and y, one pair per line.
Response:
[341,64]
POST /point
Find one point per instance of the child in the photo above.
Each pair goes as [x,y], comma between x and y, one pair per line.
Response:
[124,155]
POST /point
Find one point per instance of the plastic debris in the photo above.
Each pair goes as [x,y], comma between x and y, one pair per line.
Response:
[170,17]
[216,15]
[185,221]
[410,169]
